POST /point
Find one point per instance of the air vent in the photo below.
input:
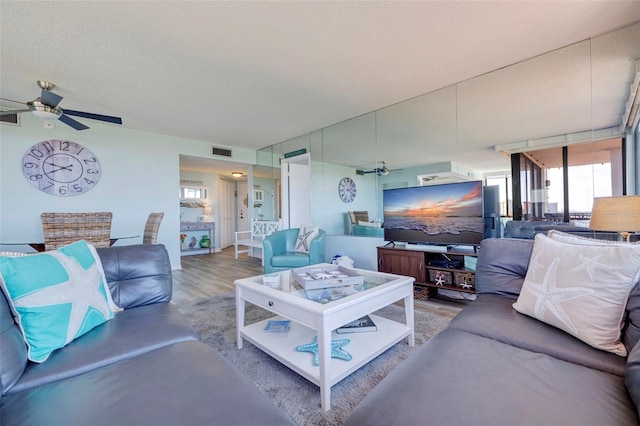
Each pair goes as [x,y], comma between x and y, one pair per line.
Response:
[222,152]
[13,119]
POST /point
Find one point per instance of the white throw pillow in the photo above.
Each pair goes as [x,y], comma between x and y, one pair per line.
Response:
[305,236]
[581,288]
[582,240]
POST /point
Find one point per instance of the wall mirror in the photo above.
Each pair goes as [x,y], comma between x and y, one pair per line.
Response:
[193,192]
[468,130]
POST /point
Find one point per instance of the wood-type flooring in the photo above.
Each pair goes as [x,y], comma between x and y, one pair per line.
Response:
[209,274]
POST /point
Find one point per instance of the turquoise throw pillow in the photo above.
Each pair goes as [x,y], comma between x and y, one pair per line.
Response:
[56,296]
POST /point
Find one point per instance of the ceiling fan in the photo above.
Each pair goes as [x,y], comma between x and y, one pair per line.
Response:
[46,107]
[380,171]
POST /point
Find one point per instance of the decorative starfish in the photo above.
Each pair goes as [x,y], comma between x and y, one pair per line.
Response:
[466,285]
[439,279]
[535,264]
[81,291]
[549,296]
[336,350]
[589,264]
[302,240]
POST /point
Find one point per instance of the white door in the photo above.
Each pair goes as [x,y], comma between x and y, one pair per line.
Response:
[227,200]
[296,191]
[242,209]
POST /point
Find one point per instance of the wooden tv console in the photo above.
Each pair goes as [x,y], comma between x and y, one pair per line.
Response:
[426,268]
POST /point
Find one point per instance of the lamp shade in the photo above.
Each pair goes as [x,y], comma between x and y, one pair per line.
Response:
[619,214]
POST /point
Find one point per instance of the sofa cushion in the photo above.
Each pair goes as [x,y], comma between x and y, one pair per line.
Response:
[458,378]
[131,333]
[581,289]
[13,353]
[502,266]
[290,260]
[632,376]
[137,274]
[182,384]
[493,317]
[56,296]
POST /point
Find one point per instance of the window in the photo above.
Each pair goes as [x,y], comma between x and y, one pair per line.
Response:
[504,183]
[560,183]
[193,192]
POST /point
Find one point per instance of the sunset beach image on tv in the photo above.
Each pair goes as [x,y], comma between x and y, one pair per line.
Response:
[436,214]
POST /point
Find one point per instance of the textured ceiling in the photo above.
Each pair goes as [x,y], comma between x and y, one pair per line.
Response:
[250,74]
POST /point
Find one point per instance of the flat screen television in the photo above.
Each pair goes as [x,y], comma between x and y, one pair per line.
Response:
[446,214]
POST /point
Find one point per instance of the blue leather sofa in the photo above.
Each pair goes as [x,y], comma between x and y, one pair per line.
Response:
[495,366]
[143,367]
[279,251]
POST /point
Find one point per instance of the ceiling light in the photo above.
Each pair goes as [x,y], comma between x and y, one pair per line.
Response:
[43,111]
[236,174]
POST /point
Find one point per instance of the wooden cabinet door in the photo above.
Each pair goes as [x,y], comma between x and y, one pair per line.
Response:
[402,262]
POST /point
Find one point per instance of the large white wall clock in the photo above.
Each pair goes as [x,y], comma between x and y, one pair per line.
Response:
[61,168]
[347,189]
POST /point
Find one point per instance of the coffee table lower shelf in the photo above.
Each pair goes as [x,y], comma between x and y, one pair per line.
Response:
[363,346]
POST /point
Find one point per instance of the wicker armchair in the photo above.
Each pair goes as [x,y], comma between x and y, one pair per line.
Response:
[150,235]
[64,228]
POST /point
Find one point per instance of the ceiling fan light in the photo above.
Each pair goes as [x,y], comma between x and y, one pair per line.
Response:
[43,111]
[236,174]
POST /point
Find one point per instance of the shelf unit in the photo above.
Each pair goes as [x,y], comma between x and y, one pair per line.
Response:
[191,228]
[432,270]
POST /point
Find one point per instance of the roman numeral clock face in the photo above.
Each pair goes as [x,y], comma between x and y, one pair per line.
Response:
[61,168]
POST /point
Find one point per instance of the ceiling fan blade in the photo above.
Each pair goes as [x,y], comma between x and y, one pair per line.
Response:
[366,172]
[49,98]
[15,111]
[107,118]
[11,100]
[73,123]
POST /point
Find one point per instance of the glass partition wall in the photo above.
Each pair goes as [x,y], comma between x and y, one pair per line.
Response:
[468,131]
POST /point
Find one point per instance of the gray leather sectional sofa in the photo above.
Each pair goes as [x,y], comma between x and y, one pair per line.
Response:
[145,366]
[495,366]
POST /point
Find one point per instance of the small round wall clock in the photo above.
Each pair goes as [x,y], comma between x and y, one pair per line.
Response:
[347,189]
[61,168]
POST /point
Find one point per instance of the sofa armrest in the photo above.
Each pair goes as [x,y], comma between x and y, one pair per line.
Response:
[317,248]
[138,274]
[632,376]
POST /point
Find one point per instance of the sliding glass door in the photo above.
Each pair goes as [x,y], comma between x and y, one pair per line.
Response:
[560,183]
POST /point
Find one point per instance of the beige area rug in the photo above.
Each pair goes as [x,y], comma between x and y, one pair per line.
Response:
[214,319]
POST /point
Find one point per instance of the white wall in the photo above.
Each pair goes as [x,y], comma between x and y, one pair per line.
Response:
[327,209]
[140,175]
[268,208]
[363,250]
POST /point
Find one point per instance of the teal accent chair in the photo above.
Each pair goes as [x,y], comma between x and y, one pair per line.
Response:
[368,231]
[279,251]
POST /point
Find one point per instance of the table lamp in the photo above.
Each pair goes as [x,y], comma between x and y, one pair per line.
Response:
[618,214]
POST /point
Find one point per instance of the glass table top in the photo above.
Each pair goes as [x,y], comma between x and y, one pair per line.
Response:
[323,283]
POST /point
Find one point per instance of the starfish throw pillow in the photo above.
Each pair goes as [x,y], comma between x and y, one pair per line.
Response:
[305,236]
[56,296]
[581,289]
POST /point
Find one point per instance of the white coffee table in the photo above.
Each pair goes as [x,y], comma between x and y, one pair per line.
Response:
[310,318]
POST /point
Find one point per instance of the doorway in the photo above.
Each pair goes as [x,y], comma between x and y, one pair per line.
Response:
[296,191]
[227,222]
[242,207]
